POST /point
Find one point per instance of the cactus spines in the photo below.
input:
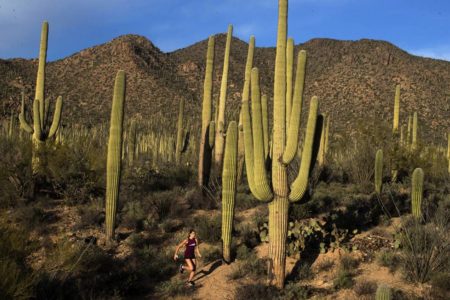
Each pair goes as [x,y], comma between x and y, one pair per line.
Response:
[414,131]
[204,162]
[383,293]
[113,165]
[417,193]
[378,171]
[179,146]
[220,123]
[289,76]
[396,109]
[229,177]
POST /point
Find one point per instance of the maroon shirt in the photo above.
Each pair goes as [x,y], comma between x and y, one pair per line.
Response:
[190,247]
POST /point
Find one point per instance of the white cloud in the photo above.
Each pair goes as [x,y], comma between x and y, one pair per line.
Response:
[438,52]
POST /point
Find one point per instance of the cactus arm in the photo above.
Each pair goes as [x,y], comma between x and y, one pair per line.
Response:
[260,175]
[378,171]
[211,132]
[23,122]
[37,120]
[113,165]
[229,188]
[265,125]
[289,74]
[327,131]
[417,193]
[220,130]
[294,125]
[56,117]
[40,80]
[298,187]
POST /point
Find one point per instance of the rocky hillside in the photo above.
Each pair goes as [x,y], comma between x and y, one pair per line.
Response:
[353,79]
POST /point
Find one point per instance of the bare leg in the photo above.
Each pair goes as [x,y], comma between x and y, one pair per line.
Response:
[191,267]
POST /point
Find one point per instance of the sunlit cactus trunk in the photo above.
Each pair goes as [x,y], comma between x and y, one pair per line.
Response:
[229,177]
[448,151]
[396,109]
[415,131]
[113,164]
[417,193]
[204,161]
[220,122]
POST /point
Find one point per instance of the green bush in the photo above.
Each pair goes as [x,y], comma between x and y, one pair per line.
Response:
[388,258]
[172,288]
[208,229]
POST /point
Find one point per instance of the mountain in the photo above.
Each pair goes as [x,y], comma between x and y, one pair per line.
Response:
[353,79]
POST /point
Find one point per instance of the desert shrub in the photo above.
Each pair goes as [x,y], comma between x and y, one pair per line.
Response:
[440,288]
[249,236]
[291,291]
[15,171]
[91,214]
[348,263]
[245,200]
[325,265]
[388,258]
[17,279]
[173,288]
[302,271]
[208,229]
[76,171]
[425,249]
[133,214]
[164,204]
[153,263]
[343,280]
[30,216]
[365,288]
[249,264]
[211,254]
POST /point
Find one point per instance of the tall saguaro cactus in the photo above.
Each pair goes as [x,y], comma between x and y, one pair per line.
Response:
[277,192]
[41,130]
[229,177]
[378,171]
[204,161]
[220,122]
[396,109]
[113,164]
[289,76]
[179,144]
[417,193]
[414,131]
[448,151]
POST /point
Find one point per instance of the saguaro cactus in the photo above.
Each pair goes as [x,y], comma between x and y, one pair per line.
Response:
[417,193]
[229,177]
[448,151]
[409,132]
[414,131]
[396,109]
[40,129]
[383,293]
[378,171]
[113,164]
[179,146]
[220,122]
[248,70]
[289,76]
[278,193]
[204,161]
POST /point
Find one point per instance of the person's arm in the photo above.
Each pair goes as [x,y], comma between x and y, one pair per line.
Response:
[175,256]
[198,248]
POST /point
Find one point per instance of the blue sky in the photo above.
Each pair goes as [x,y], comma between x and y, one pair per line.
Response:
[421,27]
